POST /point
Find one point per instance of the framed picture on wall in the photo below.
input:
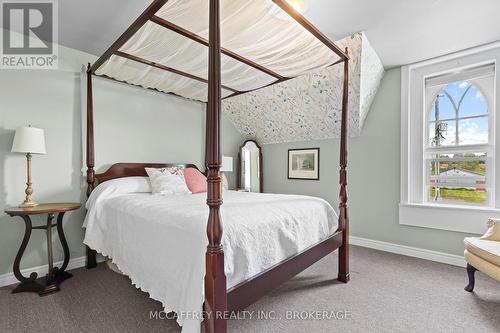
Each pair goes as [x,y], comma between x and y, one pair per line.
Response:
[303,163]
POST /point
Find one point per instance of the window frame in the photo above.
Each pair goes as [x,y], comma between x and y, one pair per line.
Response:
[413,210]
[488,147]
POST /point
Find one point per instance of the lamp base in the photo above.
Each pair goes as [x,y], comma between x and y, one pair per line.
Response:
[28,204]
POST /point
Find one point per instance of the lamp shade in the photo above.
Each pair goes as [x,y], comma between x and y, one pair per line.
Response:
[227,164]
[29,140]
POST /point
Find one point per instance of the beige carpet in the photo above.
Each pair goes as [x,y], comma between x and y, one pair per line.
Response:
[387,293]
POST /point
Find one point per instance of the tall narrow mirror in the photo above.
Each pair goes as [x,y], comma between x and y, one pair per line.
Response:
[250,166]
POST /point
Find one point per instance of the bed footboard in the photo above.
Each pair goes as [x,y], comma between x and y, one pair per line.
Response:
[249,291]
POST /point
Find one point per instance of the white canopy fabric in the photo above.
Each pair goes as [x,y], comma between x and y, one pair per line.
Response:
[257,30]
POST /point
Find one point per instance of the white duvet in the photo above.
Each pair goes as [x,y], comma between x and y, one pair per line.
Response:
[160,241]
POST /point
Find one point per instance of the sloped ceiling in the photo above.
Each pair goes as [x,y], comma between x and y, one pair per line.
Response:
[309,107]
[402,32]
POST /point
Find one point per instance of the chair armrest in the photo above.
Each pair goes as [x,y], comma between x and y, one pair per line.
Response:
[493,232]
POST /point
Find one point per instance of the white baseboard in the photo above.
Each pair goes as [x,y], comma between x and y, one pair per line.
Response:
[445,258]
[9,278]
[416,252]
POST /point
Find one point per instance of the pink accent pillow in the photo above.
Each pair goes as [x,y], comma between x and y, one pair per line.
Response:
[195,180]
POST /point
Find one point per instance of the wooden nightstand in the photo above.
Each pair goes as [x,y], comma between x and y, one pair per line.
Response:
[49,284]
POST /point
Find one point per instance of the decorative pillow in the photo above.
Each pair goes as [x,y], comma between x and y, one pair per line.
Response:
[178,171]
[195,180]
[163,182]
[493,232]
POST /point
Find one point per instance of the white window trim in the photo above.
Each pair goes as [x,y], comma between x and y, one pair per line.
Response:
[483,73]
[412,210]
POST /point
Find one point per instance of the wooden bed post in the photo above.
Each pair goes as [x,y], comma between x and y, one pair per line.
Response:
[343,211]
[91,254]
[206,138]
[215,278]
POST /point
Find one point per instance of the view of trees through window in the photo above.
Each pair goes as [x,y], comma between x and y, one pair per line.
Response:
[458,129]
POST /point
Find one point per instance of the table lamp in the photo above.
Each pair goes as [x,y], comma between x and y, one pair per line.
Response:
[29,140]
[227,166]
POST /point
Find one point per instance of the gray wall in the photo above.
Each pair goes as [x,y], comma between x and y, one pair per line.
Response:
[169,129]
[136,125]
[374,177]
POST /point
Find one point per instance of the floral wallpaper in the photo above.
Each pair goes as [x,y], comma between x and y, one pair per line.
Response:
[309,107]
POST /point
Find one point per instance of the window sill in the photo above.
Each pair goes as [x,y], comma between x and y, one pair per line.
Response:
[466,219]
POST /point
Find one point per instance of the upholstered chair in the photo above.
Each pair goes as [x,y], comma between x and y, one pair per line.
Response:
[483,253]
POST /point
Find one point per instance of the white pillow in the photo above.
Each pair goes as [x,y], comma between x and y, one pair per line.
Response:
[118,186]
[163,182]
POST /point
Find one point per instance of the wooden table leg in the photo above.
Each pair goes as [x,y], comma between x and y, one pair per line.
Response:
[50,259]
[55,275]
[60,273]
[27,284]
[50,283]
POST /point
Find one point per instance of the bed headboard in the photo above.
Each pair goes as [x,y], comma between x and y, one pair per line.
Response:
[120,170]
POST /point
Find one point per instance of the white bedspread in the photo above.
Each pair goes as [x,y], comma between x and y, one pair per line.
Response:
[160,241]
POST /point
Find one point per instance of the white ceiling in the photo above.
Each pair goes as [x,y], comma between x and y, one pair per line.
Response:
[401,31]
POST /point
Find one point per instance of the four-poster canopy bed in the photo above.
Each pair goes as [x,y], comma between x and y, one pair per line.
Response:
[136,58]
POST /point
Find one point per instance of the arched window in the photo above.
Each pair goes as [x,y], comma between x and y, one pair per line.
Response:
[458,116]
[450,141]
[458,146]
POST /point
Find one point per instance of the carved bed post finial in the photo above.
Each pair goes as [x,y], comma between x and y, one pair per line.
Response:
[91,254]
[215,279]
[343,211]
